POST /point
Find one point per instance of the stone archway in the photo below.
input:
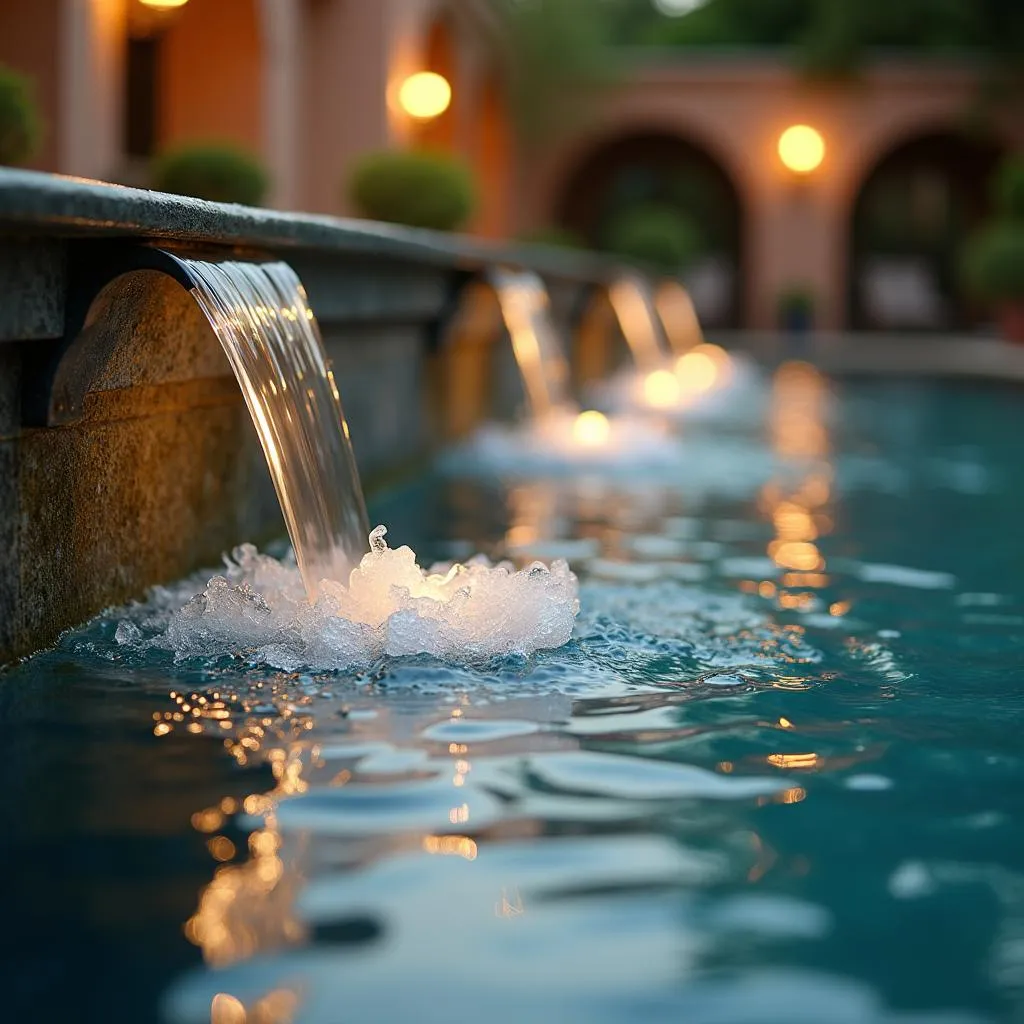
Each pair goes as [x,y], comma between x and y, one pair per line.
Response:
[657,166]
[909,220]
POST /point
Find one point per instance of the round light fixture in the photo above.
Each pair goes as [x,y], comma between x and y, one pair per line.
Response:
[801,148]
[425,95]
[163,5]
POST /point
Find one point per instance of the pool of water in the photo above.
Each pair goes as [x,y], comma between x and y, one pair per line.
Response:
[776,776]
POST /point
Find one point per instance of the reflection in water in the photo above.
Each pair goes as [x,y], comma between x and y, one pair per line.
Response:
[798,502]
[669,818]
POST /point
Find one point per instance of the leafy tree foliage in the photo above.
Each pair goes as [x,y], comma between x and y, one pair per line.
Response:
[835,35]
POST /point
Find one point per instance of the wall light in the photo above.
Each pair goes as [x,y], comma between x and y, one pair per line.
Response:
[425,95]
[163,5]
[801,148]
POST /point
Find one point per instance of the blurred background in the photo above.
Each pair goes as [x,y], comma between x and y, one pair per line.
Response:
[801,164]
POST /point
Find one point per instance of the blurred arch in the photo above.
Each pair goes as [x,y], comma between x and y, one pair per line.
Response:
[654,165]
[909,216]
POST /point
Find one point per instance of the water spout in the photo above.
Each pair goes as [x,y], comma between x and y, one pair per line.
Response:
[634,307]
[263,321]
[678,317]
[525,308]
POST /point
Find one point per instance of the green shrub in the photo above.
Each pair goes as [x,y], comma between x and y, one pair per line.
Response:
[422,190]
[1009,188]
[555,236]
[19,119]
[994,263]
[214,171]
[657,235]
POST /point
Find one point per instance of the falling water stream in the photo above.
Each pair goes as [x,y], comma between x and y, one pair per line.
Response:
[525,308]
[634,307]
[260,314]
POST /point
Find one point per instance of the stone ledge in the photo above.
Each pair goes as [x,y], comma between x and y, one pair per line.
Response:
[55,205]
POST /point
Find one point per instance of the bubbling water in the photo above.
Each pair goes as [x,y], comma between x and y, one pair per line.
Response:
[390,607]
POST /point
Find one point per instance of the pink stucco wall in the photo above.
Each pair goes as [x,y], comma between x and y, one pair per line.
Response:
[795,230]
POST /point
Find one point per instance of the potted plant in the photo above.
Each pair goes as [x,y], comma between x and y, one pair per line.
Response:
[421,190]
[796,309]
[994,259]
[219,172]
[656,234]
[19,120]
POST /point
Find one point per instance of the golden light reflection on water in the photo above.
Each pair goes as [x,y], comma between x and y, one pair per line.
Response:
[793,761]
[248,906]
[451,846]
[799,506]
[276,1007]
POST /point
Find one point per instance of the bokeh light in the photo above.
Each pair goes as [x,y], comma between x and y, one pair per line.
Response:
[425,95]
[661,389]
[704,367]
[591,429]
[801,148]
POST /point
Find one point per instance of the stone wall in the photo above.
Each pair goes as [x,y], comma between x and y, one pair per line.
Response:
[141,464]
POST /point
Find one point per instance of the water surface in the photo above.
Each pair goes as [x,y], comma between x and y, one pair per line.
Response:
[775,776]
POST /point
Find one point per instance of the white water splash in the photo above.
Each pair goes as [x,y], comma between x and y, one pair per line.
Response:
[390,607]
[556,444]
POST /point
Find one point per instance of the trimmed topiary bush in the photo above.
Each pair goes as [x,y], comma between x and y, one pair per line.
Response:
[421,190]
[554,236]
[1009,188]
[994,263]
[214,171]
[19,119]
[657,235]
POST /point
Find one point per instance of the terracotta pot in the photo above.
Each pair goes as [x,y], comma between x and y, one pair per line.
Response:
[1011,321]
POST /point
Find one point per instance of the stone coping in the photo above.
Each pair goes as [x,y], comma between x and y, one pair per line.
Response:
[35,203]
[882,354]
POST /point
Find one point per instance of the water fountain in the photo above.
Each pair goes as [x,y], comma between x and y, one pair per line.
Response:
[634,305]
[525,309]
[354,602]
[556,435]
[261,317]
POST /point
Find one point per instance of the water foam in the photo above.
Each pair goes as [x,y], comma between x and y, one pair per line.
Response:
[553,445]
[390,607]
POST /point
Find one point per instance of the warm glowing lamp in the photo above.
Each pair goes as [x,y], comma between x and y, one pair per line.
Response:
[425,95]
[591,429]
[163,5]
[801,148]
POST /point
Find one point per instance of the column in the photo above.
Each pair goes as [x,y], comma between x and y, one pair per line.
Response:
[282,38]
[92,46]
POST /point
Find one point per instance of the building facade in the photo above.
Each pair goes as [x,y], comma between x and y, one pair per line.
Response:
[309,85]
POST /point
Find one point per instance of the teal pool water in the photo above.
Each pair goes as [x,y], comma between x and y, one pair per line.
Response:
[775,777]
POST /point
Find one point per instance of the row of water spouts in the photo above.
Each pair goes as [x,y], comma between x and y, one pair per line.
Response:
[671,366]
[261,316]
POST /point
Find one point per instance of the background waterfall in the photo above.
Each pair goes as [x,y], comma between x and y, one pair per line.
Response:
[525,308]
